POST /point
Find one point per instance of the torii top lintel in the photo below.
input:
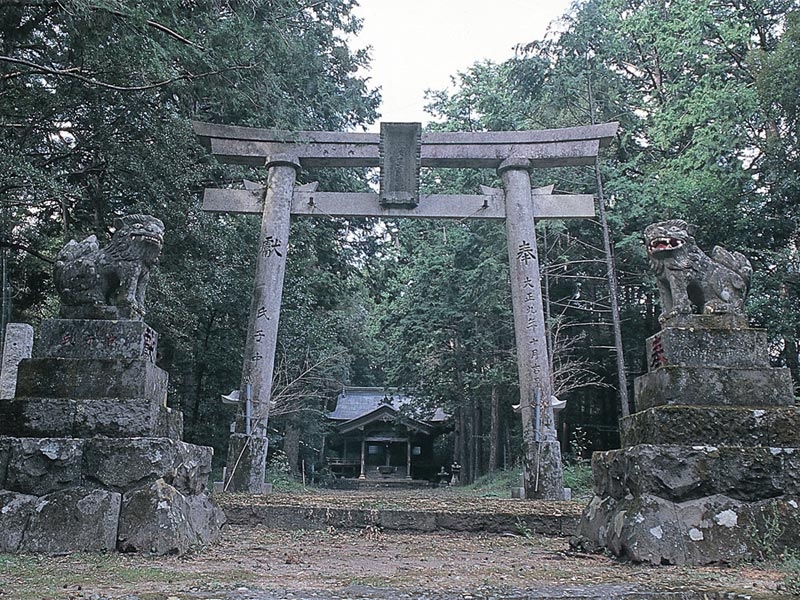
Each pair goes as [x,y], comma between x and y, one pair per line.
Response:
[571,146]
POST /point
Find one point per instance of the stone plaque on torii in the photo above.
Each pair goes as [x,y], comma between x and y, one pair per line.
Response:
[400,150]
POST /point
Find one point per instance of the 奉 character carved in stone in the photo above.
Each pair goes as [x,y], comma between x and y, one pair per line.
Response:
[110,282]
[690,281]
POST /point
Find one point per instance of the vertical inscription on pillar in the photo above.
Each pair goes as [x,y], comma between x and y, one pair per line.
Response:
[526,256]
[399,164]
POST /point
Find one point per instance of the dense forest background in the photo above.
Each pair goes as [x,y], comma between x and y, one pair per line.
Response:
[96,99]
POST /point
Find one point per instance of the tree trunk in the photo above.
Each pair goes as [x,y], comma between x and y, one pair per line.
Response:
[458,444]
[291,445]
[469,432]
[494,430]
[622,379]
[477,439]
[467,416]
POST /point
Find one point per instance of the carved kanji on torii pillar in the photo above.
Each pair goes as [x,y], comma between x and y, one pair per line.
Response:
[400,150]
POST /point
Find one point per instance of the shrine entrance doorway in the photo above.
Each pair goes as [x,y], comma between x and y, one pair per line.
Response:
[399,151]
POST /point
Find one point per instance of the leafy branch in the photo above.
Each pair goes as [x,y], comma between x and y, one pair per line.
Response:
[75,73]
[7,243]
[156,25]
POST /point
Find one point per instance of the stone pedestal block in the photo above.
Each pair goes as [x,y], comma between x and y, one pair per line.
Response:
[88,426]
[37,417]
[73,520]
[15,513]
[39,466]
[127,418]
[111,417]
[714,386]
[720,322]
[122,464]
[5,454]
[713,529]
[681,473]
[91,379]
[713,426]
[160,520]
[710,465]
[698,347]
[88,339]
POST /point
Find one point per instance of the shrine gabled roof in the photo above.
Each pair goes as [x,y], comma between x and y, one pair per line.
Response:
[385,413]
[354,402]
[366,404]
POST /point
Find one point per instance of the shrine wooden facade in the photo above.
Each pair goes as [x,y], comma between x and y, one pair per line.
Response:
[373,437]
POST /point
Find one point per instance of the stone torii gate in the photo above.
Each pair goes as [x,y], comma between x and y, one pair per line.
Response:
[399,151]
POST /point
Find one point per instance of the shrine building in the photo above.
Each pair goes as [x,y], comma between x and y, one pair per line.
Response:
[373,437]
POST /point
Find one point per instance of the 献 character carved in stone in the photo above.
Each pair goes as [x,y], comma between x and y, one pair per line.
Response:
[89,278]
[690,281]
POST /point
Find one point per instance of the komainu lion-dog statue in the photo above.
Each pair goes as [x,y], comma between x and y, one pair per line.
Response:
[110,282]
[690,281]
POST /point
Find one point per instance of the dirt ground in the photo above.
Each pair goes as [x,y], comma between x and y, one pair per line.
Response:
[253,563]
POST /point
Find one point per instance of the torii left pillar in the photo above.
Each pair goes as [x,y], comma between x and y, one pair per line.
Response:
[247,449]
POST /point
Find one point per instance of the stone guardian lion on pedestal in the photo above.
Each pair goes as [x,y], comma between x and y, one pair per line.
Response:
[110,282]
[690,281]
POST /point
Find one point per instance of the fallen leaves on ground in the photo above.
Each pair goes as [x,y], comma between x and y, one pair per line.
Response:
[426,500]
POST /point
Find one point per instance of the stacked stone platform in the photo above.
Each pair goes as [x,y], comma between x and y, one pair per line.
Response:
[709,469]
[91,458]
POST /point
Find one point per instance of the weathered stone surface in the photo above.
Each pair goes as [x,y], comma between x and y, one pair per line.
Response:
[705,530]
[132,417]
[15,513]
[89,339]
[40,417]
[85,379]
[5,453]
[121,464]
[65,417]
[713,426]
[681,473]
[73,520]
[18,345]
[714,386]
[700,347]
[89,279]
[399,151]
[324,517]
[712,321]
[39,466]
[169,423]
[160,520]
[205,518]
[90,425]
[710,466]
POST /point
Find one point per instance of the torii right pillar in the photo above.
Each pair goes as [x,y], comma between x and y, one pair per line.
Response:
[543,475]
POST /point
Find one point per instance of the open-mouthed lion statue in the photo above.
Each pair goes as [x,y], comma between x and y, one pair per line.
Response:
[110,282]
[690,281]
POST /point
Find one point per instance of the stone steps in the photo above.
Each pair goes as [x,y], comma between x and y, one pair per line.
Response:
[251,510]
